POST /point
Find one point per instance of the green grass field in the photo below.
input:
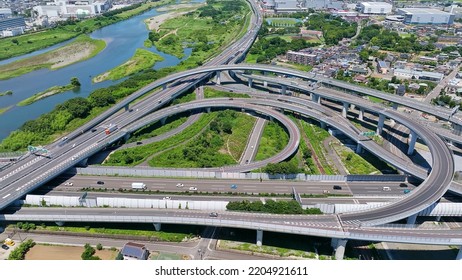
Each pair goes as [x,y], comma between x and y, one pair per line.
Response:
[273,140]
[46,93]
[142,59]
[353,162]
[213,93]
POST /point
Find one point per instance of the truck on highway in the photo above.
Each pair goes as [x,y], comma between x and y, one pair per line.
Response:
[110,128]
[138,186]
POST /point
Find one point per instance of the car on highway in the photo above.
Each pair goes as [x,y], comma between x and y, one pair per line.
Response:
[93,129]
[403,185]
[72,158]
[5,247]
[234,186]
[179,185]
[193,189]
[387,189]
[336,187]
[406,191]
[139,143]
[166,198]
[213,214]
[100,183]
[68,184]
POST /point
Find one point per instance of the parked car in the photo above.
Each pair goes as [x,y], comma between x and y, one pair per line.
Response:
[5,247]
[213,214]
[193,189]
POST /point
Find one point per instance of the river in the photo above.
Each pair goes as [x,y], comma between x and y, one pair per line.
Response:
[122,39]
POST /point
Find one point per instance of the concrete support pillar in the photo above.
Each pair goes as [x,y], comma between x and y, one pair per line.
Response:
[457,129]
[380,124]
[59,224]
[157,226]
[333,243]
[394,106]
[323,125]
[283,89]
[361,114]
[218,74]
[359,149]
[265,83]
[163,120]
[83,162]
[315,98]
[412,140]
[352,106]
[459,255]
[209,109]
[438,218]
[164,86]
[126,136]
[271,118]
[259,237]
[340,250]
[126,107]
[411,219]
[250,82]
[345,109]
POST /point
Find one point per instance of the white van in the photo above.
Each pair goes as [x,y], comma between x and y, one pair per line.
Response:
[386,189]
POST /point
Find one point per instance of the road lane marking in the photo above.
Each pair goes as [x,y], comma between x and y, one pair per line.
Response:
[7,195]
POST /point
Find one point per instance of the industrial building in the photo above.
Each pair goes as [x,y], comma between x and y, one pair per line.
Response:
[377,8]
[72,8]
[5,12]
[418,75]
[12,26]
[425,16]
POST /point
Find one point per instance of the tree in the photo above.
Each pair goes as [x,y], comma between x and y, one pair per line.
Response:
[75,82]
[15,41]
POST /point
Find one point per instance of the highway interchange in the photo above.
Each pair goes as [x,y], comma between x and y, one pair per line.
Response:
[31,172]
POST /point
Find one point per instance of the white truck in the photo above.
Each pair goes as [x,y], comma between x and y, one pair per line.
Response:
[138,186]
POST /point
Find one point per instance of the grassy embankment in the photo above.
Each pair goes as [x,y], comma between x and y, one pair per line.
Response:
[213,93]
[82,48]
[353,162]
[273,140]
[136,155]
[30,42]
[46,93]
[211,148]
[140,230]
[316,136]
[142,59]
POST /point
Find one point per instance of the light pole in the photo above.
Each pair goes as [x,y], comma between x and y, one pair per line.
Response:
[200,253]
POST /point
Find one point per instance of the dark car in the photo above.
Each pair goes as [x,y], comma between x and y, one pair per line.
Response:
[337,187]
[93,130]
[403,185]
[100,183]
[139,143]
[5,247]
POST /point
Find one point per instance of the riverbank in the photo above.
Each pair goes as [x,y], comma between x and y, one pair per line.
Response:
[3,110]
[173,12]
[81,49]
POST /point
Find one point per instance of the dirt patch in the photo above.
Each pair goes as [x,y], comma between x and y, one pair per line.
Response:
[45,252]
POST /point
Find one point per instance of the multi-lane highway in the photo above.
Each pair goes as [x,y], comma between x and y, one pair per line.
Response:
[30,172]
